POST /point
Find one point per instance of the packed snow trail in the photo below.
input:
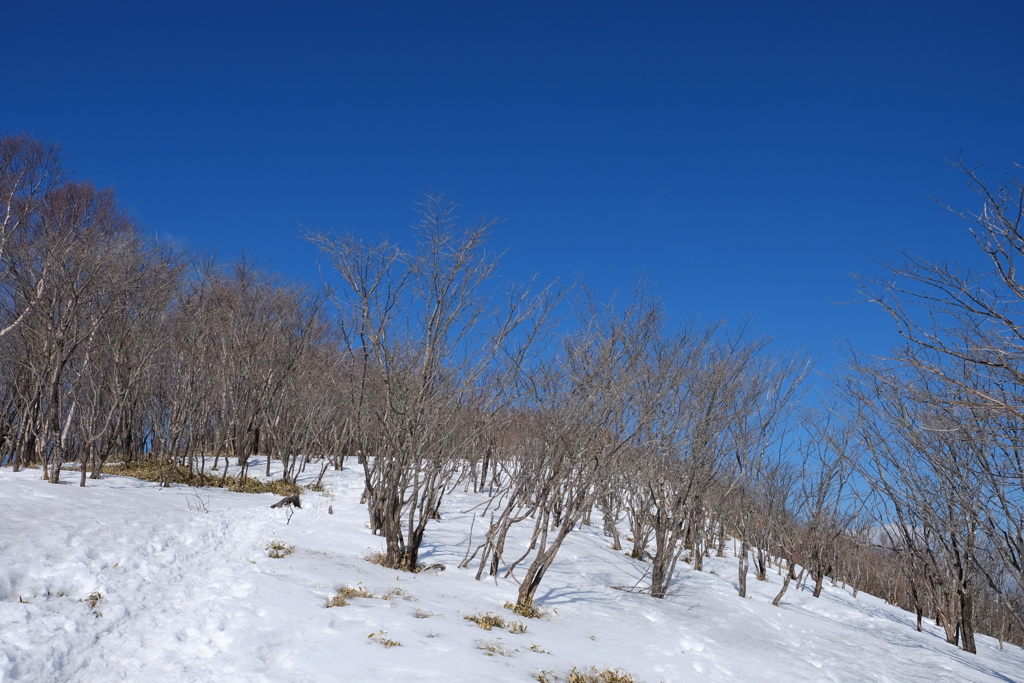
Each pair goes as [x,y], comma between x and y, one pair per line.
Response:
[167,583]
[125,581]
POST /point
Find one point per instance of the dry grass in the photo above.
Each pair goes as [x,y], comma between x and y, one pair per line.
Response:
[593,675]
[278,549]
[346,592]
[377,557]
[492,648]
[489,621]
[531,612]
[379,637]
[395,593]
[93,599]
[486,621]
[149,470]
[588,675]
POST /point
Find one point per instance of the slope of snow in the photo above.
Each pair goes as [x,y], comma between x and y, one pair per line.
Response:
[183,590]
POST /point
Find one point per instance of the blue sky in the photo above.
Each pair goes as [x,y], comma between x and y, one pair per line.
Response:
[744,156]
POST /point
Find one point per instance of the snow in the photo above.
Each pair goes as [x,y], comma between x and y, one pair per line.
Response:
[184,590]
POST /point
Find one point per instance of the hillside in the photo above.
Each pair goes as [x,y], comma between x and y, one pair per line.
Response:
[123,580]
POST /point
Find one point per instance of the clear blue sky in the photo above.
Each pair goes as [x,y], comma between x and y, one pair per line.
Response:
[745,156]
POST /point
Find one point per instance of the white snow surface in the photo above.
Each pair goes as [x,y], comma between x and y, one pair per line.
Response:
[189,594]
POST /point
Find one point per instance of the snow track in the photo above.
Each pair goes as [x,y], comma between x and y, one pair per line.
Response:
[168,584]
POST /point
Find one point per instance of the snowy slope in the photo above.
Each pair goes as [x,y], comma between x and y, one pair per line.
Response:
[191,595]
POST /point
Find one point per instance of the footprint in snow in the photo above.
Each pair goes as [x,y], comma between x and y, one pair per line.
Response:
[688,645]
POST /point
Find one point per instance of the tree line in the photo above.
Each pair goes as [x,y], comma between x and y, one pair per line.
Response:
[420,363]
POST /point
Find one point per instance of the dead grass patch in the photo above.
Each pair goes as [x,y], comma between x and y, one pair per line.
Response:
[278,549]
[492,648]
[593,675]
[380,637]
[531,612]
[149,470]
[91,600]
[378,557]
[589,675]
[345,593]
[488,621]
[393,593]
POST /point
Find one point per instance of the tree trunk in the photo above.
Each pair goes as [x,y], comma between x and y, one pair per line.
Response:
[967,623]
[762,566]
[744,563]
[819,580]
[790,575]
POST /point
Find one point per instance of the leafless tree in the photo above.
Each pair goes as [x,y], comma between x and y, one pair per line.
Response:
[919,464]
[29,170]
[73,267]
[765,397]
[961,368]
[592,400]
[825,504]
[427,345]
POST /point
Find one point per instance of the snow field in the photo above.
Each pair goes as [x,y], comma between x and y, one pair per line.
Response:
[191,595]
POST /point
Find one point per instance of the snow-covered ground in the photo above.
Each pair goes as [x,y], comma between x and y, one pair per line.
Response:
[124,581]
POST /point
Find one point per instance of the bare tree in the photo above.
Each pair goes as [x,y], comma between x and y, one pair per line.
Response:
[920,467]
[593,400]
[825,504]
[766,392]
[427,345]
[963,359]
[29,170]
[72,266]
